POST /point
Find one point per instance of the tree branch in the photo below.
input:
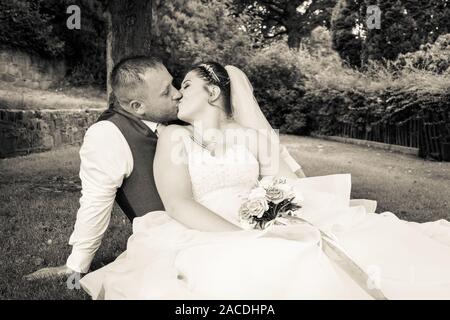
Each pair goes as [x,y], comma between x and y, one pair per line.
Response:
[275,35]
[273,6]
[321,5]
[275,18]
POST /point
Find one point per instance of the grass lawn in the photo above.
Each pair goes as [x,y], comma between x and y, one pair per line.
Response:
[412,188]
[39,199]
[22,98]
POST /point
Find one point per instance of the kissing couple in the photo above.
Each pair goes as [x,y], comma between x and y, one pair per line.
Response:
[184,187]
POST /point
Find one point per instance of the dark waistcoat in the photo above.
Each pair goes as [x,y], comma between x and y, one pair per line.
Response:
[138,194]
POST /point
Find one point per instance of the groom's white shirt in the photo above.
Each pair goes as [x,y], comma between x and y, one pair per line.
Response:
[106,160]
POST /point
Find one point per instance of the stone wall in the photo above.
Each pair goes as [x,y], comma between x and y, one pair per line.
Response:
[22,69]
[27,131]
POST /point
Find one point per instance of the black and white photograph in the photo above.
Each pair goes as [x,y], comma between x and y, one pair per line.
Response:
[224,150]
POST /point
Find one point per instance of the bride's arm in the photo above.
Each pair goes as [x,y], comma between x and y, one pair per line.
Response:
[270,159]
[174,185]
[291,163]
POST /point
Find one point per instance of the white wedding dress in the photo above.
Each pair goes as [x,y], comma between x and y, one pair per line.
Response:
[165,260]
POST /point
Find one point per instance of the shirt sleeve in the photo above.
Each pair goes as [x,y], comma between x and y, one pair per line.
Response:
[106,160]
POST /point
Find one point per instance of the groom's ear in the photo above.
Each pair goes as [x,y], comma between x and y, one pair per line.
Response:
[136,106]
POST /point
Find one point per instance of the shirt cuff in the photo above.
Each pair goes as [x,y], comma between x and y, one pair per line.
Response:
[79,262]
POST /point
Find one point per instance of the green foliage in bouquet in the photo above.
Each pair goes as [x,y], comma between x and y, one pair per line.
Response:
[284,208]
[271,199]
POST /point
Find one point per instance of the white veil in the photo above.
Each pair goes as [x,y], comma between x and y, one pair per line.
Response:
[247,112]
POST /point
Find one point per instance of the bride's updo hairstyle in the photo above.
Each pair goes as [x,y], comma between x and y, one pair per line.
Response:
[215,74]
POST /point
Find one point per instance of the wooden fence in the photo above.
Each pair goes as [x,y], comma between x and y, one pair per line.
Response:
[427,136]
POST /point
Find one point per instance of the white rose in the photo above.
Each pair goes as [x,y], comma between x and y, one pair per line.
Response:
[287,190]
[257,207]
[256,193]
[275,195]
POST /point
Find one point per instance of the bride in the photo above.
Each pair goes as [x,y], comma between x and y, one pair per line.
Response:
[199,249]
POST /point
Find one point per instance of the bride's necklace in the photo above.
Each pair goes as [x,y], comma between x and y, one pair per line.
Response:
[206,146]
[210,146]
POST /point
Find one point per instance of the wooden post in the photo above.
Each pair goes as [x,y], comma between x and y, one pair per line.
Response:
[129,32]
[419,130]
[388,132]
[426,139]
[397,135]
[410,132]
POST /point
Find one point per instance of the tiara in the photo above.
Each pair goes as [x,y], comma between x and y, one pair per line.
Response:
[211,72]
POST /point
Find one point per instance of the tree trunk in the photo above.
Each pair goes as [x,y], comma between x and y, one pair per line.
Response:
[294,39]
[293,24]
[129,33]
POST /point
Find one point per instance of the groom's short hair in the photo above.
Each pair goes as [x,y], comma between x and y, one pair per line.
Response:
[129,72]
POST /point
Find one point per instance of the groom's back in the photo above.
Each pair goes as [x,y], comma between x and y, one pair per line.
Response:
[137,194]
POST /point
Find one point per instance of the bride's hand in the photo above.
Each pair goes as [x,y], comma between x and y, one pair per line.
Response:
[302,232]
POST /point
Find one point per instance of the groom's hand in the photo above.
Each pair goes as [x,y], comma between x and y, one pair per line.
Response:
[49,273]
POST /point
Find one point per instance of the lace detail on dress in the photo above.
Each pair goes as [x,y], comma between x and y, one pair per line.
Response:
[236,169]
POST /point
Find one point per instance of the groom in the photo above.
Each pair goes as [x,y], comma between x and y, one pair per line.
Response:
[117,157]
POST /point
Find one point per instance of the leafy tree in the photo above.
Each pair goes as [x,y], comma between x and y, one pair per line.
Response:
[279,84]
[25,26]
[294,19]
[431,57]
[319,43]
[347,27]
[85,49]
[187,31]
[39,27]
[405,25]
[399,32]
[182,32]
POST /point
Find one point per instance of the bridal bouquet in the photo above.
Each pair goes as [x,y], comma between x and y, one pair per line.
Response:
[272,199]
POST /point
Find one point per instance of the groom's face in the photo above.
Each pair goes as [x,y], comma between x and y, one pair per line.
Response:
[158,98]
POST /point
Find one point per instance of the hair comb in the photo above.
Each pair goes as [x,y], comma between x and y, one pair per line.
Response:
[211,72]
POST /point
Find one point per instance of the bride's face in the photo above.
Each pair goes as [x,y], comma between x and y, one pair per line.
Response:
[195,97]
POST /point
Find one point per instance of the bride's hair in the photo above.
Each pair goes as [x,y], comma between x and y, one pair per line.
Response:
[214,73]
